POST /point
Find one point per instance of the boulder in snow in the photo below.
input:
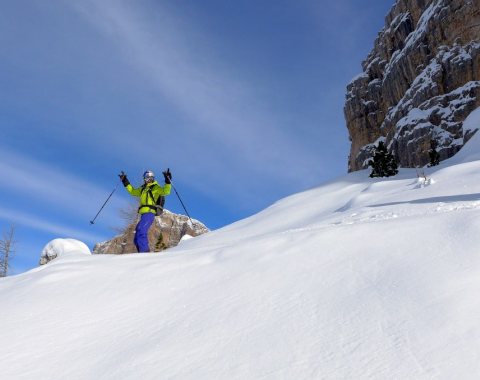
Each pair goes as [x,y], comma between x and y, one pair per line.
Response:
[60,247]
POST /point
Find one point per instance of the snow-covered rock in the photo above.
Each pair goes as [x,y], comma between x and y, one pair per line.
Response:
[420,82]
[61,247]
[166,232]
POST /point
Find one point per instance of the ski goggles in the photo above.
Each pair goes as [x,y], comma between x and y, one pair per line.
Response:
[148,175]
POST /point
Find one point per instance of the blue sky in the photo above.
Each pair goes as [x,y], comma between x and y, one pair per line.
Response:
[242,100]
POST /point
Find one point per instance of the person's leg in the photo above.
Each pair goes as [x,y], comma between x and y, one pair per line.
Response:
[141,232]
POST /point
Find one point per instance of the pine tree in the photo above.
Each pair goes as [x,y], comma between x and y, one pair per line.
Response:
[160,245]
[383,163]
[433,154]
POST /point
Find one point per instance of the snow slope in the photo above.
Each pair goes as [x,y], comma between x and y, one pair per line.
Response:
[356,279]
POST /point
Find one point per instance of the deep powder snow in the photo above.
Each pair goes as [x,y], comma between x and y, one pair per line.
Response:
[355,279]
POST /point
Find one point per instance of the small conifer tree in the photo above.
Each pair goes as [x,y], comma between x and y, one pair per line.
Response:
[160,244]
[383,163]
[433,154]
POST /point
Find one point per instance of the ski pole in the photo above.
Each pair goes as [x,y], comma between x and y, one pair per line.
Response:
[180,199]
[101,208]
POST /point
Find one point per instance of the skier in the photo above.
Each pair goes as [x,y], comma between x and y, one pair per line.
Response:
[149,194]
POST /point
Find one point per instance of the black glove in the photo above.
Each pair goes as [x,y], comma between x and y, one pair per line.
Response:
[124,179]
[168,176]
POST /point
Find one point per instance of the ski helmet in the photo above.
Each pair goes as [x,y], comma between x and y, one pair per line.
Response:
[148,176]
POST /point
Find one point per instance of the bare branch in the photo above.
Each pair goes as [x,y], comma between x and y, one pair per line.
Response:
[7,250]
[129,215]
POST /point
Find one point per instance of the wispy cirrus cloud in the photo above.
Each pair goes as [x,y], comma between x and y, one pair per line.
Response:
[33,221]
[231,128]
[34,183]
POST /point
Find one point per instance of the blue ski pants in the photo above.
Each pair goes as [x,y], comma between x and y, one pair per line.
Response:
[141,232]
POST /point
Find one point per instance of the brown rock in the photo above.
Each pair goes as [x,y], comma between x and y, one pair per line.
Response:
[420,82]
[166,232]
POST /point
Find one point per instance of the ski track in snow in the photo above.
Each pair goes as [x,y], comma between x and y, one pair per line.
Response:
[380,212]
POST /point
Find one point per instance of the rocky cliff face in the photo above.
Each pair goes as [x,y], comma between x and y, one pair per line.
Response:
[167,231]
[420,82]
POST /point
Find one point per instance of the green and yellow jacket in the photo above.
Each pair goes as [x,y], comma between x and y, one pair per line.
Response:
[149,194]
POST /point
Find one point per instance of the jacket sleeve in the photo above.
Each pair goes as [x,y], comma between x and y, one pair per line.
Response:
[133,191]
[162,190]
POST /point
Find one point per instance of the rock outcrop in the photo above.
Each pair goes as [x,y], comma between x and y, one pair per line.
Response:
[166,232]
[420,82]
